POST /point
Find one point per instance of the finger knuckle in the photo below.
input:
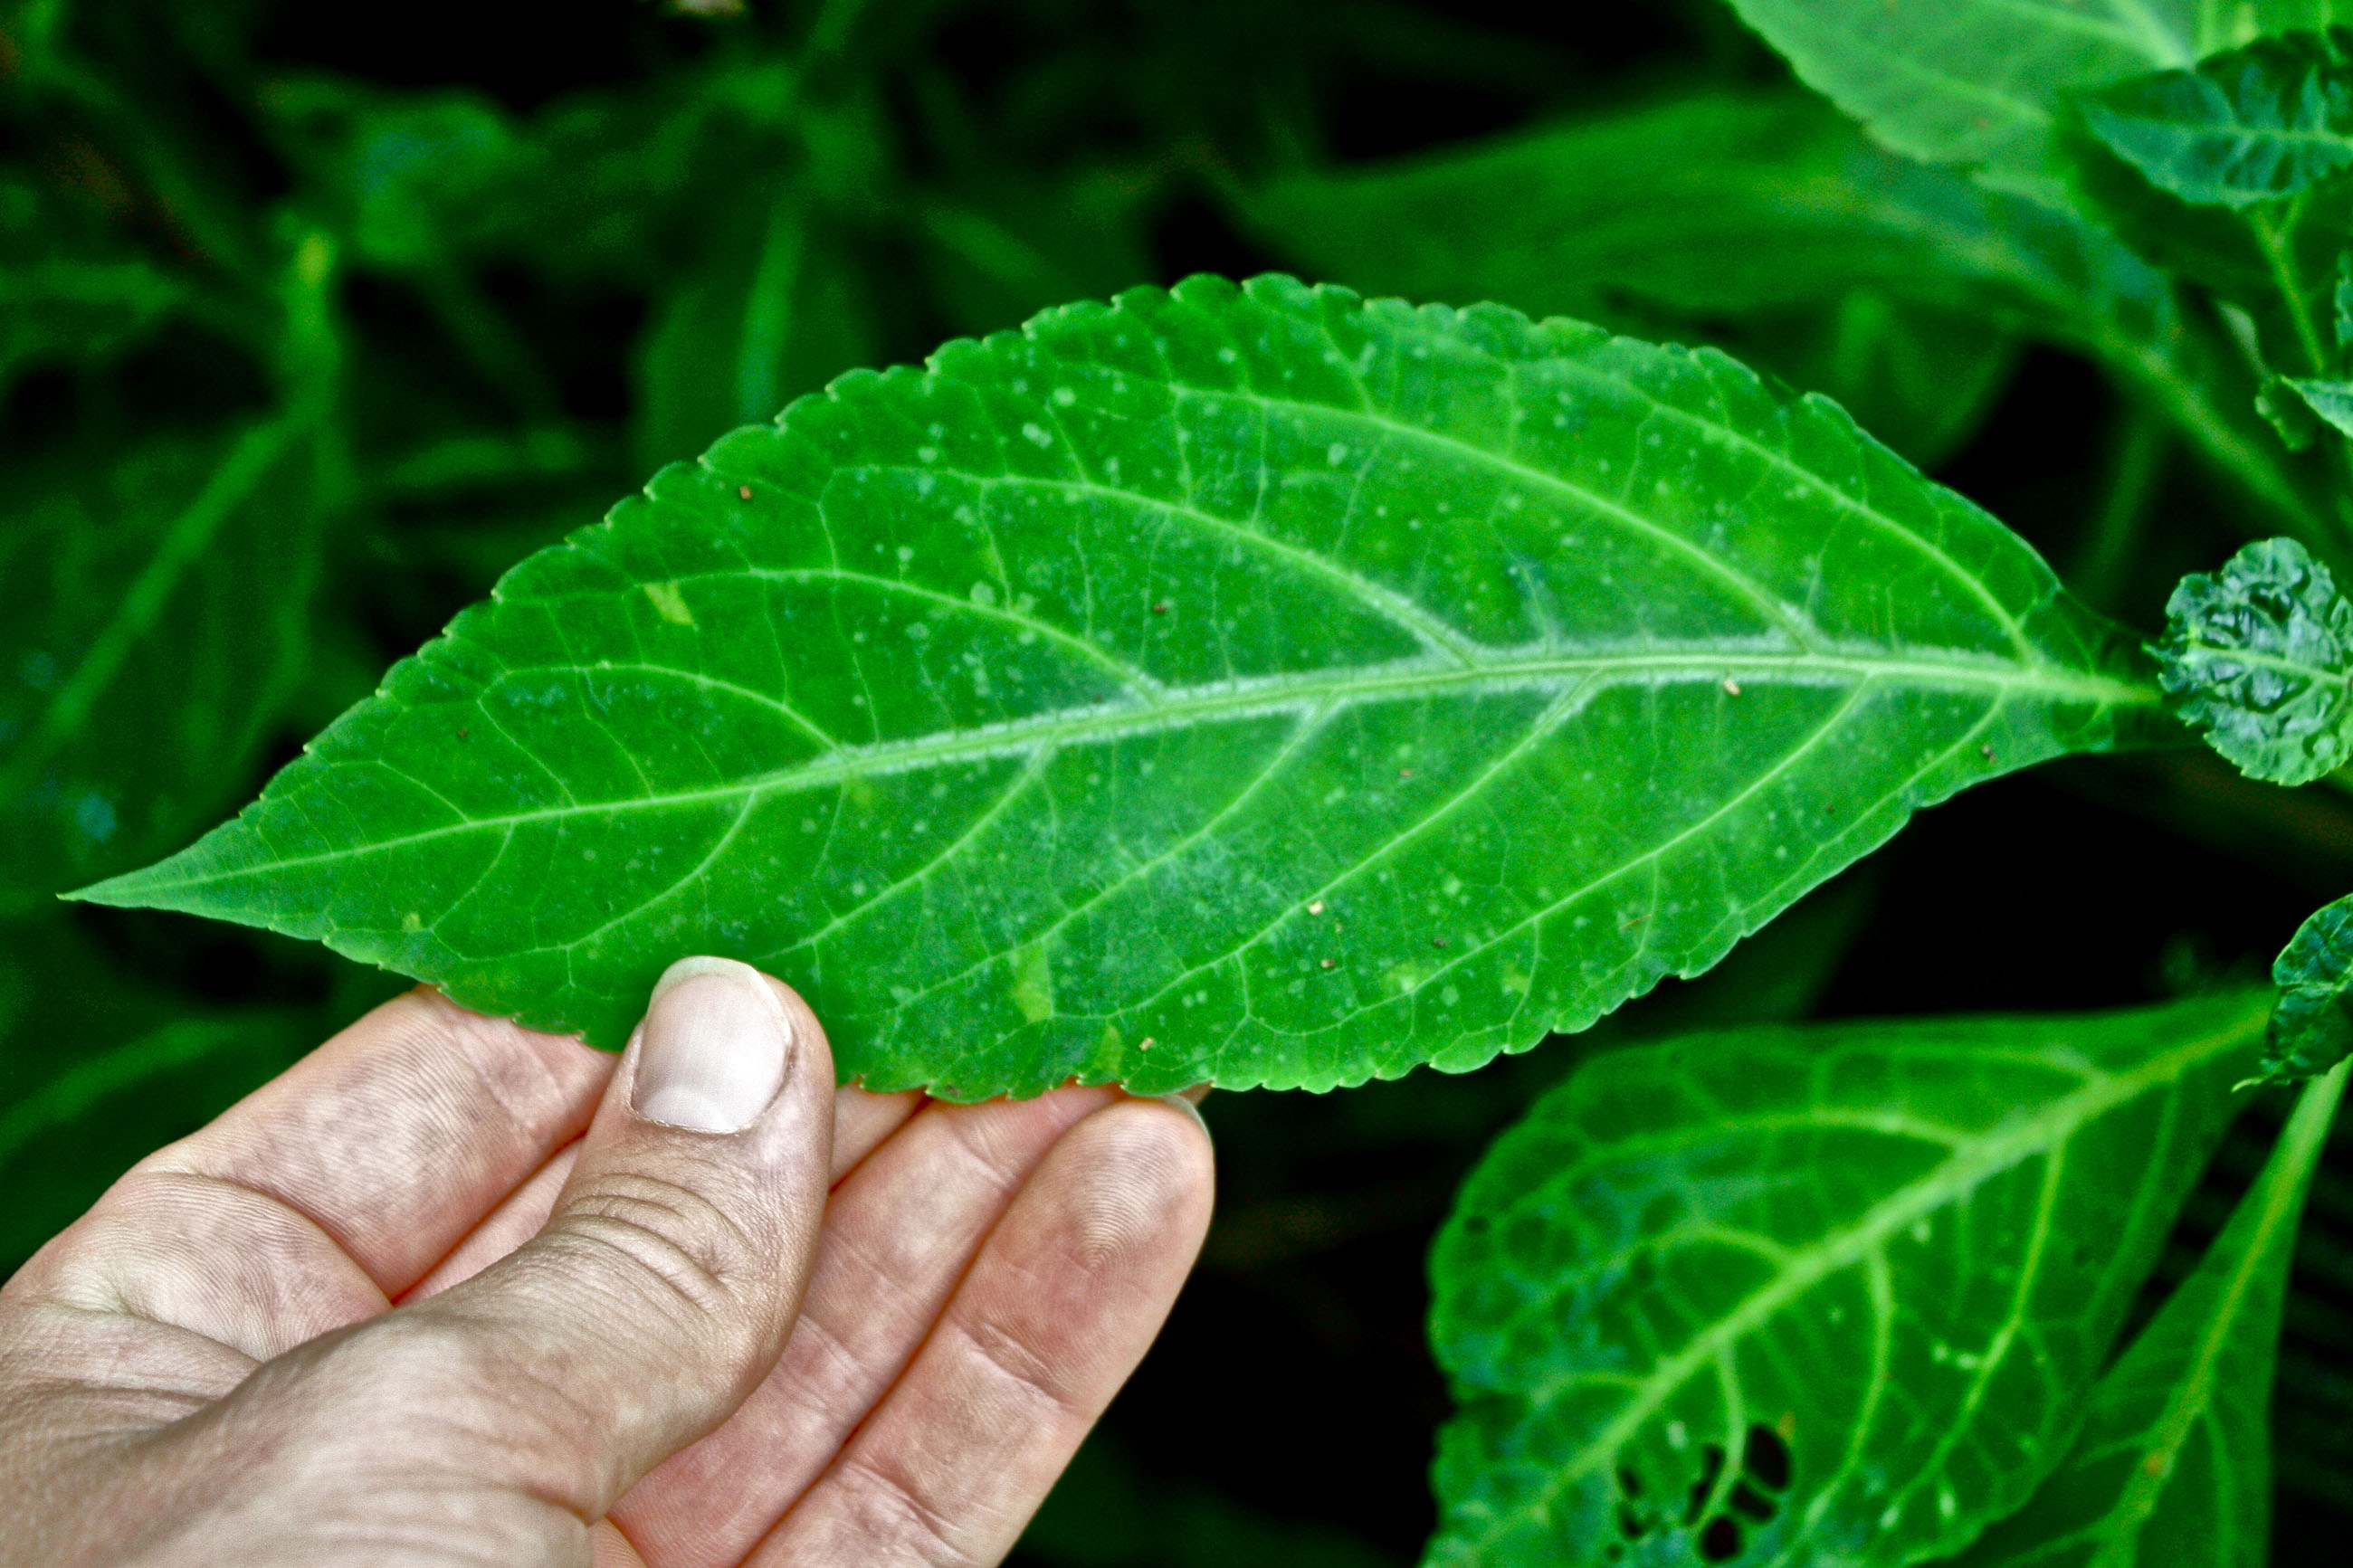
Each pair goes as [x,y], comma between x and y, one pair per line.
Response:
[687,1245]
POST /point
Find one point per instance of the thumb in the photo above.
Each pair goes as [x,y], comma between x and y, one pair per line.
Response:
[663,1287]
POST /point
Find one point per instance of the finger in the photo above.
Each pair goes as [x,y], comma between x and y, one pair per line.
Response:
[860,1121]
[663,1287]
[1058,1309]
[338,1184]
[524,1214]
[898,1236]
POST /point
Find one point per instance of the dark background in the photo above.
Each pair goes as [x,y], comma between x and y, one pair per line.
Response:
[957,166]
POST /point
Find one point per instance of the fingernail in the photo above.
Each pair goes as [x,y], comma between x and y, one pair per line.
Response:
[1183,1101]
[715,1048]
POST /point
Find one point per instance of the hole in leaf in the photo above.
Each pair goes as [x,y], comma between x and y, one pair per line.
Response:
[1765,1459]
[1752,1502]
[1711,1466]
[1720,1542]
[1630,1523]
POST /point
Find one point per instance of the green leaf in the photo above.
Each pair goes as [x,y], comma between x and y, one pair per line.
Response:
[1767,225]
[1825,1295]
[2259,656]
[1975,82]
[2252,125]
[161,607]
[1253,685]
[2331,400]
[2173,1464]
[2311,1030]
[69,293]
[1713,204]
[770,312]
[1840,268]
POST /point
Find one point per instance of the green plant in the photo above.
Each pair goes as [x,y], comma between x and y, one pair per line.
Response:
[1264,685]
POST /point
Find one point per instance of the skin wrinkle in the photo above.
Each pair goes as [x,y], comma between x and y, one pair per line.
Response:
[830,1373]
[497,1419]
[284,1277]
[310,1167]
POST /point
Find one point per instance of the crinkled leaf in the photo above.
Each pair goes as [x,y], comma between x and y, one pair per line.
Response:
[161,607]
[2250,125]
[2173,1463]
[1976,81]
[2312,1029]
[1824,1296]
[2276,259]
[2259,656]
[1253,685]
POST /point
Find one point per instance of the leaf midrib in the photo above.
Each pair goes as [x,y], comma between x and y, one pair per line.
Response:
[2193,1394]
[2272,662]
[2051,1128]
[1531,669]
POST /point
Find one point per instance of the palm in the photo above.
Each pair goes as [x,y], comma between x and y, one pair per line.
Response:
[981,1285]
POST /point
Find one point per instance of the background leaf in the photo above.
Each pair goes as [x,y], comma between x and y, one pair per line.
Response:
[68,294]
[1764,224]
[1250,686]
[1975,82]
[1766,216]
[164,610]
[2250,125]
[2259,656]
[1637,1292]
[2173,1463]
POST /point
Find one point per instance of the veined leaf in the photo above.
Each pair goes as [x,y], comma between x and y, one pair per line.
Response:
[2311,1030]
[1764,223]
[2173,1465]
[2259,656]
[1768,225]
[1976,81]
[2253,125]
[1827,1295]
[162,606]
[1717,203]
[1252,685]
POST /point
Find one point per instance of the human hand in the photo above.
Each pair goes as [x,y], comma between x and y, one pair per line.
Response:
[394,1309]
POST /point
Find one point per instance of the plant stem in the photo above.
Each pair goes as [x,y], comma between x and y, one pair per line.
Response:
[2280,1192]
[768,311]
[2140,452]
[489,340]
[2273,241]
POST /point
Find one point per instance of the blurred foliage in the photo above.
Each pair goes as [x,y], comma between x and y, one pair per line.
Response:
[312,320]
